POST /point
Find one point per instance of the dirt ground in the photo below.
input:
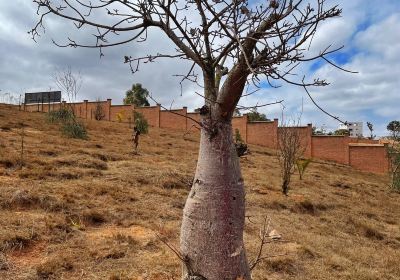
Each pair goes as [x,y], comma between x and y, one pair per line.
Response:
[91,209]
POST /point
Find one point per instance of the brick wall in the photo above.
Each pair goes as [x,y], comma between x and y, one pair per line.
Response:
[369,157]
[170,120]
[151,114]
[123,111]
[333,148]
[305,133]
[240,123]
[363,154]
[191,123]
[263,133]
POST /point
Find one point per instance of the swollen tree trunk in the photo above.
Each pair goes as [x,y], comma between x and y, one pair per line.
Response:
[213,217]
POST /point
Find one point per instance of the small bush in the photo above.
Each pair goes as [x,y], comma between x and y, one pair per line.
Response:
[74,130]
[238,137]
[302,166]
[141,123]
[120,117]
[99,111]
[62,115]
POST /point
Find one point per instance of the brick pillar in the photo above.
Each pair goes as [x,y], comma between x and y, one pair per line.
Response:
[185,114]
[309,145]
[86,107]
[159,115]
[276,133]
[109,109]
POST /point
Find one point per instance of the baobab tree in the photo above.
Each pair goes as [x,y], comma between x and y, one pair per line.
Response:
[230,44]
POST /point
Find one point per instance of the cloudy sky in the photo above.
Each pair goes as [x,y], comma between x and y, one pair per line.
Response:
[369,30]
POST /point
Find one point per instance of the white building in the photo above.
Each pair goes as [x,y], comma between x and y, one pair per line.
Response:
[355,128]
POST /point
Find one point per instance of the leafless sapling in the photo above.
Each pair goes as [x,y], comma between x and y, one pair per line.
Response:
[290,150]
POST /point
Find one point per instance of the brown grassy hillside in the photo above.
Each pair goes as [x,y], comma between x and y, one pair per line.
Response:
[90,209]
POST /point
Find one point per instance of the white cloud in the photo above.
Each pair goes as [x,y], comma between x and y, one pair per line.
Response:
[367,29]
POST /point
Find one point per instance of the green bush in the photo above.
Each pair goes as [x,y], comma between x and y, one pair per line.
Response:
[302,166]
[238,137]
[74,129]
[141,123]
[62,115]
[69,126]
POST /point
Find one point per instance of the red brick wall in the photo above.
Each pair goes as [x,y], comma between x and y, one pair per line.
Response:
[305,133]
[369,157]
[333,148]
[91,109]
[363,154]
[190,123]
[124,111]
[151,114]
[171,120]
[263,133]
[241,124]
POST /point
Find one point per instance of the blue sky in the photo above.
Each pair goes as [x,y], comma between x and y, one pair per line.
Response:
[368,29]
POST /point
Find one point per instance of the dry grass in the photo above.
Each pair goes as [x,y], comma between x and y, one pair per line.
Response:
[90,209]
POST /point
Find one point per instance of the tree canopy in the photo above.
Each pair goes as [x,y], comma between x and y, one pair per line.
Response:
[137,96]
[394,129]
[254,116]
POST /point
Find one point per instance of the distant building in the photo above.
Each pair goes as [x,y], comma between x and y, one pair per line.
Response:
[355,128]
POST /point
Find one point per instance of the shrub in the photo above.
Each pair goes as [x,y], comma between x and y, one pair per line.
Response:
[302,164]
[99,111]
[74,129]
[238,137]
[141,123]
[120,117]
[62,115]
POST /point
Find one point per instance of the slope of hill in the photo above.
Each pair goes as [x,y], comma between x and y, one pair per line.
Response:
[91,209]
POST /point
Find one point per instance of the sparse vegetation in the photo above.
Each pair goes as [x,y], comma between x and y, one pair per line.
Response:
[141,123]
[99,111]
[74,129]
[302,164]
[62,115]
[79,207]
[290,150]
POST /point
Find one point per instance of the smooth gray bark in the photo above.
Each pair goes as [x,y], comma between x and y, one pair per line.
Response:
[213,217]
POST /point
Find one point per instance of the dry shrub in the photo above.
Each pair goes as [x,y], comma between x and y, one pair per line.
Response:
[281,265]
[276,205]
[54,266]
[174,180]
[94,218]
[364,229]
[22,199]
[19,241]
[340,185]
[307,207]
[9,160]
